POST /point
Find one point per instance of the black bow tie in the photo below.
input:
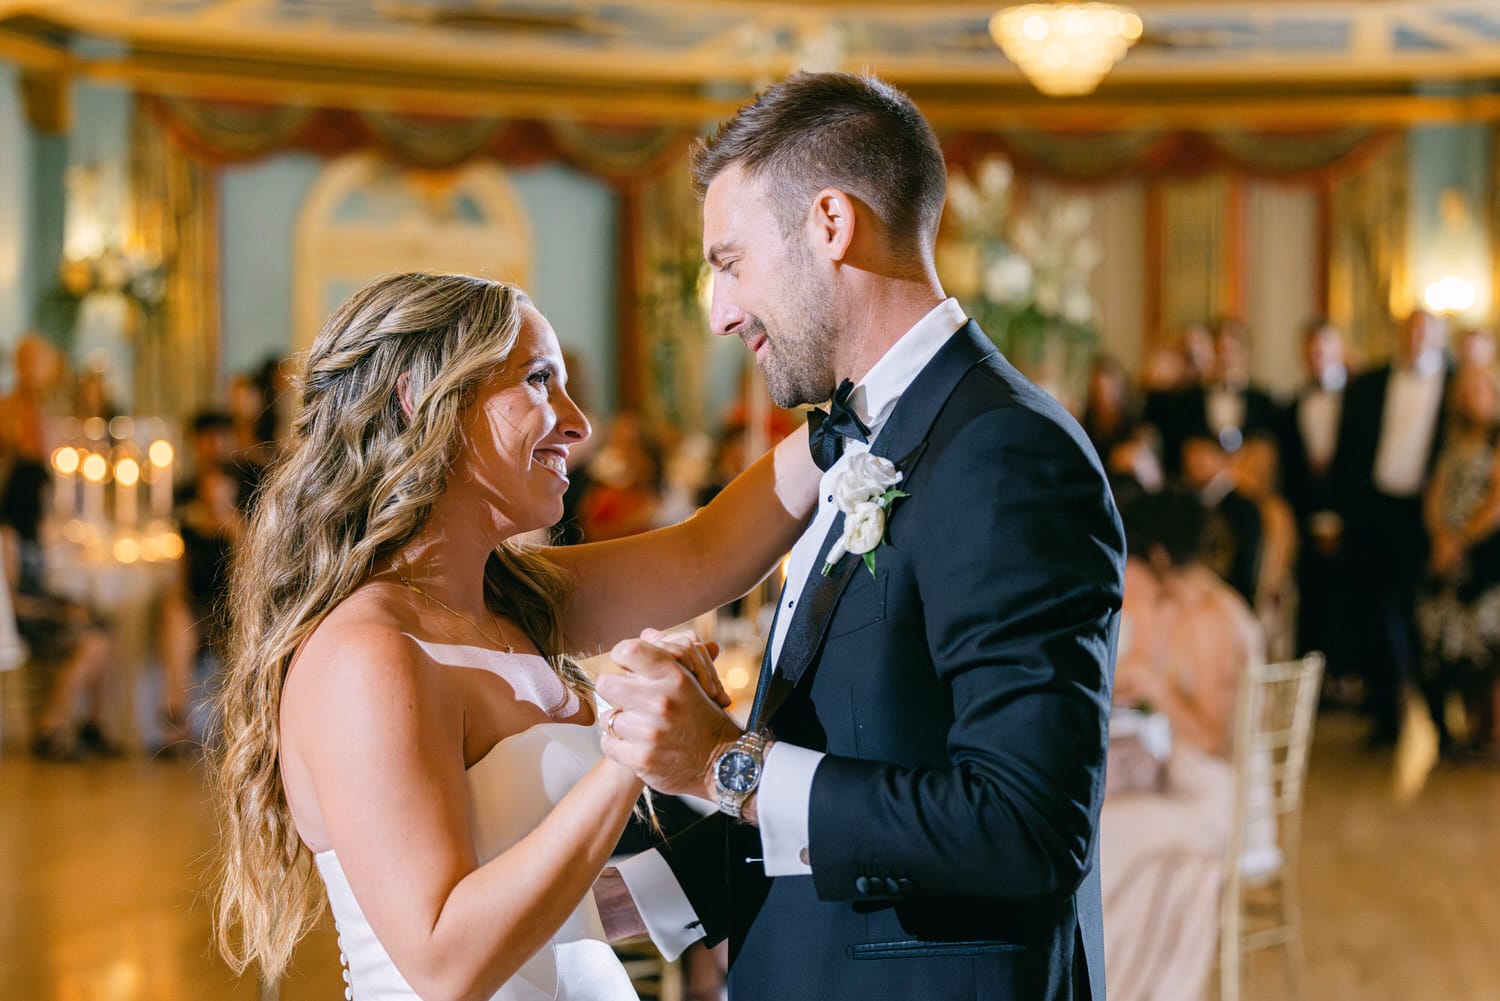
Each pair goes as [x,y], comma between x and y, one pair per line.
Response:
[827,432]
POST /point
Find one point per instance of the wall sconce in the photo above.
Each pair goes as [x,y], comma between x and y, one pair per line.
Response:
[1450,296]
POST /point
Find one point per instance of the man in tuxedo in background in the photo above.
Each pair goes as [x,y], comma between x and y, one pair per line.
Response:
[918,792]
[1389,437]
[1309,440]
[1224,401]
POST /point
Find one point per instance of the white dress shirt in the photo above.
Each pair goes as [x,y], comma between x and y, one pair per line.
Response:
[1413,398]
[1318,418]
[784,798]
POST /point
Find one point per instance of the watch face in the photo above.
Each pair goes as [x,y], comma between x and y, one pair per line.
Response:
[737,771]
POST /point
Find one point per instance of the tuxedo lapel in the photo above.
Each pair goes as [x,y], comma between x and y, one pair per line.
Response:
[904,435]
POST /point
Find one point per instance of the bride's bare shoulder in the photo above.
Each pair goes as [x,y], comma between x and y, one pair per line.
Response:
[365,640]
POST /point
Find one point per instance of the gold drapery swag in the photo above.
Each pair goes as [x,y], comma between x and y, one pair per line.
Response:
[221,132]
[175,201]
[1367,253]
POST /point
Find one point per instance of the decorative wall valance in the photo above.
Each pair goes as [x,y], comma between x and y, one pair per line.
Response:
[1319,157]
[229,132]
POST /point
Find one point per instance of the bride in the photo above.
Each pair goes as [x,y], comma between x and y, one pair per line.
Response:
[400,713]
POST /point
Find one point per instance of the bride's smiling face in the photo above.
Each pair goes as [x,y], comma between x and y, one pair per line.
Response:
[518,429]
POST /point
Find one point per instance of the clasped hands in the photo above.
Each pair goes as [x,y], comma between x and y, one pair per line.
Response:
[667,721]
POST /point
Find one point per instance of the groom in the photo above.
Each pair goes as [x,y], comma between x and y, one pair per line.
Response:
[912,813]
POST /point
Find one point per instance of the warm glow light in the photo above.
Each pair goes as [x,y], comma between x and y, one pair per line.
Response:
[65,460]
[127,550]
[95,468]
[1450,295]
[127,472]
[152,549]
[171,545]
[738,679]
[94,428]
[1066,49]
[122,428]
[161,454]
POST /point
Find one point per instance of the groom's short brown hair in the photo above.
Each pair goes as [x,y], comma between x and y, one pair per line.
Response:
[835,130]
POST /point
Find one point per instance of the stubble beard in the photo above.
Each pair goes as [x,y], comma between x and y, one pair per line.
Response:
[798,360]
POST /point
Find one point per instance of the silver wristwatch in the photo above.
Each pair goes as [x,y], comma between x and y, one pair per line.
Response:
[737,772]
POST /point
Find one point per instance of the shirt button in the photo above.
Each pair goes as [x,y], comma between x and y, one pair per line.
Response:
[862,885]
[348,994]
[802,855]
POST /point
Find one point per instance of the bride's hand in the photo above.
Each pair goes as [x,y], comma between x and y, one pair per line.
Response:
[696,657]
[664,725]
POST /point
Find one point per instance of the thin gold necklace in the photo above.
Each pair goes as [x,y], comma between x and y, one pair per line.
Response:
[414,589]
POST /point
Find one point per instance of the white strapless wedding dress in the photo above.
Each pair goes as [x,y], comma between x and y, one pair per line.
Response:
[510,791]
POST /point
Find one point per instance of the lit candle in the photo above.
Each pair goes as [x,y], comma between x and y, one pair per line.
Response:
[95,471]
[127,476]
[161,456]
[65,462]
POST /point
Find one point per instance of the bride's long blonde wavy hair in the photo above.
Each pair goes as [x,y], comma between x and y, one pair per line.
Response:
[358,481]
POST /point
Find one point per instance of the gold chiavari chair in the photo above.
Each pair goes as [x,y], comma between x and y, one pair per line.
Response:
[1274,716]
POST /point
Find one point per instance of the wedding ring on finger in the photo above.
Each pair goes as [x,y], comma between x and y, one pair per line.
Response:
[609,722]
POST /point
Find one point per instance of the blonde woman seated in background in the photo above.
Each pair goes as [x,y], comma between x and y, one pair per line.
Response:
[1186,637]
[400,713]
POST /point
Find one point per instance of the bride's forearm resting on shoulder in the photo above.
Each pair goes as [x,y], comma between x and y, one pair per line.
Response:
[668,576]
[381,739]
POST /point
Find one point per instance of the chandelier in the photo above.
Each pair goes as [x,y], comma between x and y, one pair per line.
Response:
[1066,49]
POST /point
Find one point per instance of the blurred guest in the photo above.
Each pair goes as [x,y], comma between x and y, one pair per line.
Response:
[275,382]
[1389,432]
[1256,468]
[1232,406]
[1234,540]
[1309,438]
[60,634]
[1476,348]
[211,515]
[92,398]
[688,472]
[1458,614]
[26,415]
[626,474]
[1173,375]
[1185,640]
[252,422]
[1109,411]
[730,459]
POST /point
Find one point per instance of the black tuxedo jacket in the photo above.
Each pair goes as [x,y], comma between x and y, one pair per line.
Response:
[1359,442]
[1306,489]
[962,696]
[1179,415]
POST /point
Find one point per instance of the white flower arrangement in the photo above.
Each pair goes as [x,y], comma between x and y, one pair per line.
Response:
[864,491]
[1023,275]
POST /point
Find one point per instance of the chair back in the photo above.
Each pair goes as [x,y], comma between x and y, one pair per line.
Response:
[1274,715]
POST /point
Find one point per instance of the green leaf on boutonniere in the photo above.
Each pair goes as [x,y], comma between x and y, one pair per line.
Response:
[892,496]
[870,562]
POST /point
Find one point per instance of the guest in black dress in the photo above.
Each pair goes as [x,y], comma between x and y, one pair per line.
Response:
[64,637]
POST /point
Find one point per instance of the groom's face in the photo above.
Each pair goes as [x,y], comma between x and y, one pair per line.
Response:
[771,291]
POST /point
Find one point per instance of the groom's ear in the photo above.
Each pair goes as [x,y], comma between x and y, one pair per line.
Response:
[833,223]
[403,394]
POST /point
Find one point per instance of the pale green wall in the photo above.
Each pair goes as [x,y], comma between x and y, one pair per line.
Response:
[573,221]
[16,293]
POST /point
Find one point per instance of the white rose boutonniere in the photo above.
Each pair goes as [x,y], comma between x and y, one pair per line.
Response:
[864,491]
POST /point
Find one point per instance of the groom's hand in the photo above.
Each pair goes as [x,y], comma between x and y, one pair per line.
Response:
[665,727]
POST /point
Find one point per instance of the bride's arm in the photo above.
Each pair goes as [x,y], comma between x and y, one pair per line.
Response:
[668,576]
[380,735]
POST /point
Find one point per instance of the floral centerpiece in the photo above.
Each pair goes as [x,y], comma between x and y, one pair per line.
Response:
[1023,275]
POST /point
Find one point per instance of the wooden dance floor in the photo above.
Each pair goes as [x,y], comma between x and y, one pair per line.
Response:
[99,894]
